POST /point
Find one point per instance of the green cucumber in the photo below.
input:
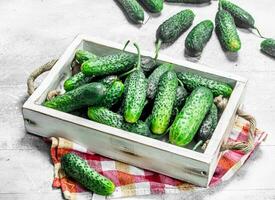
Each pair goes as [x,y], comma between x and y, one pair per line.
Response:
[189,1]
[154,6]
[85,95]
[153,79]
[207,127]
[198,37]
[242,18]
[181,95]
[188,121]
[227,32]
[133,10]
[81,56]
[148,65]
[164,101]
[268,47]
[139,127]
[191,81]
[76,81]
[105,116]
[170,30]
[77,168]
[113,94]
[109,65]
[108,80]
[135,95]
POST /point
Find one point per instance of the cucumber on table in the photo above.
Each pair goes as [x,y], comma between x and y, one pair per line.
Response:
[85,95]
[153,79]
[189,1]
[207,127]
[164,101]
[170,30]
[227,32]
[198,37]
[154,6]
[77,168]
[191,81]
[188,121]
[109,65]
[133,10]
[135,94]
[242,18]
[268,47]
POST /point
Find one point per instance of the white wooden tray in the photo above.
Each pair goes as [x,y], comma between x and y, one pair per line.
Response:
[144,152]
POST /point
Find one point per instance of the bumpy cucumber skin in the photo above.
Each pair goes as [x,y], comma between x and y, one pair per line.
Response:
[181,95]
[140,128]
[209,124]
[113,94]
[153,79]
[241,17]
[108,80]
[198,37]
[175,26]
[268,47]
[78,169]
[189,1]
[76,81]
[85,95]
[81,56]
[135,96]
[148,65]
[227,32]
[105,116]
[191,116]
[154,6]
[133,10]
[191,81]
[163,104]
[109,65]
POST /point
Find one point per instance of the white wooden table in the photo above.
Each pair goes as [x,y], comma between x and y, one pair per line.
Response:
[33,32]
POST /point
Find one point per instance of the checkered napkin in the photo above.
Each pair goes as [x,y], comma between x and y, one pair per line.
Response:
[131,181]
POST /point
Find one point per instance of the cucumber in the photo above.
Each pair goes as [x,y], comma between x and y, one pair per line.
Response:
[135,95]
[105,116]
[207,127]
[227,32]
[191,81]
[85,95]
[154,6]
[76,81]
[170,30]
[198,37]
[108,80]
[113,94]
[242,18]
[189,1]
[109,65]
[163,104]
[268,47]
[153,79]
[77,168]
[133,10]
[148,65]
[81,56]
[189,119]
[181,95]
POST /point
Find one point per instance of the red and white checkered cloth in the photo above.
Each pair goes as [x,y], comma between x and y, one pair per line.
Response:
[131,181]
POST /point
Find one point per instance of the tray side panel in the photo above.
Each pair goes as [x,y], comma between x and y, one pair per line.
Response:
[137,154]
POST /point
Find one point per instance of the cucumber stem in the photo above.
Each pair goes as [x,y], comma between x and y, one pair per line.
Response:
[180,82]
[139,57]
[126,44]
[197,145]
[158,44]
[127,73]
[259,32]
[220,5]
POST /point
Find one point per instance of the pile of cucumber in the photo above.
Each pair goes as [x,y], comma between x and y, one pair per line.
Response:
[142,96]
[228,17]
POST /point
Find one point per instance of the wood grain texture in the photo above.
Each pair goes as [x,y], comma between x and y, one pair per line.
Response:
[34,32]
